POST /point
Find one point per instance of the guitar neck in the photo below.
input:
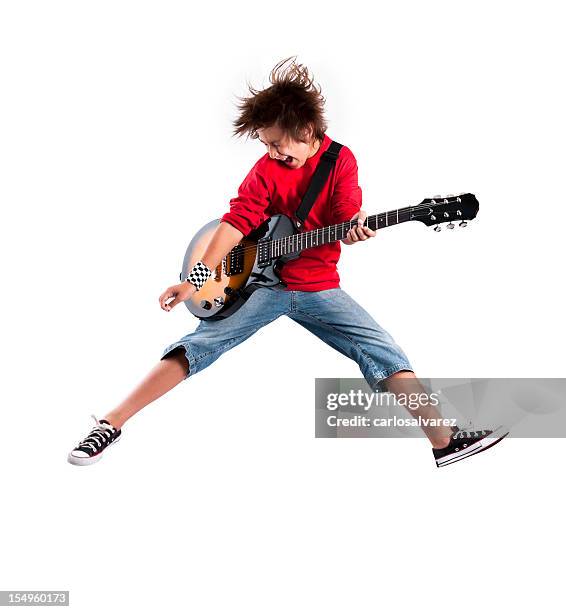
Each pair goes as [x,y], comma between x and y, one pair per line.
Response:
[331,233]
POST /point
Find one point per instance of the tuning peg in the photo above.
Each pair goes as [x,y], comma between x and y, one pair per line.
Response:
[450,195]
[437,196]
[437,228]
[451,225]
[463,223]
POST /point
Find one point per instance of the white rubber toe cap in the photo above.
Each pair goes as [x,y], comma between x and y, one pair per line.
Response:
[77,457]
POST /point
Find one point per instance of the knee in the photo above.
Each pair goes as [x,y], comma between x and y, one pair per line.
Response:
[178,354]
[401,374]
[399,381]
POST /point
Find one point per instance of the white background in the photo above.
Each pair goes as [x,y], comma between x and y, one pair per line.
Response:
[115,148]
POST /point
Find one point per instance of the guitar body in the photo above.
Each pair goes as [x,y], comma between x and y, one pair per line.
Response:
[240,273]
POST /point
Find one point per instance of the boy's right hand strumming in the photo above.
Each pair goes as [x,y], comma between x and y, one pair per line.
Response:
[223,240]
[181,292]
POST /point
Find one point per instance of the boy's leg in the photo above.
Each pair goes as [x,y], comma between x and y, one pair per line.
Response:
[165,375]
[198,349]
[405,382]
[342,323]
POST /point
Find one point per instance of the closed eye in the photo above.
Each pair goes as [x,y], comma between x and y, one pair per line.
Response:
[272,144]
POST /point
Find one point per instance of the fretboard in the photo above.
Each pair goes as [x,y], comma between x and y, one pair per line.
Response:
[332,233]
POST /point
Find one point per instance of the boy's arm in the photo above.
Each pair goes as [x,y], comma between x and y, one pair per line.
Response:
[247,211]
[224,239]
[347,200]
[248,208]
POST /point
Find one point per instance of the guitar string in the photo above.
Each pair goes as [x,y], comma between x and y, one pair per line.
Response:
[341,226]
[315,236]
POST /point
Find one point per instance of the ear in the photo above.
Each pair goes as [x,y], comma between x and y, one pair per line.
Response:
[308,133]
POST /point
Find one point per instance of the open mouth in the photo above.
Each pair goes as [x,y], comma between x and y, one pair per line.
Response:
[286,160]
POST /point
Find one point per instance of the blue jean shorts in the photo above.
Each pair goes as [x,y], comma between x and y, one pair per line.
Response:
[331,314]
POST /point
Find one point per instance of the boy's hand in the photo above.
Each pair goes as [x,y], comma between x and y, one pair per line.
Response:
[181,293]
[359,231]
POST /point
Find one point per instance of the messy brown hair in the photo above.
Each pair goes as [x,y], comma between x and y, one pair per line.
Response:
[293,102]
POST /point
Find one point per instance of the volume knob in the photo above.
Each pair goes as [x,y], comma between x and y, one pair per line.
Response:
[205,304]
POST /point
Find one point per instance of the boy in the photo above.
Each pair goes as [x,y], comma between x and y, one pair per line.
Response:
[288,118]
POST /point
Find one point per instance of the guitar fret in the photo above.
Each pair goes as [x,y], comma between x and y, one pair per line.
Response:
[332,233]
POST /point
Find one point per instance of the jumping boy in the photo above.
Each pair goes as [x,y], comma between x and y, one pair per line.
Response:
[288,119]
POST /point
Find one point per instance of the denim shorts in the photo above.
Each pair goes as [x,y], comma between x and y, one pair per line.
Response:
[331,314]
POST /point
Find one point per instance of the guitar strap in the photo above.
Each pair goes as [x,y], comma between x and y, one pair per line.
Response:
[325,164]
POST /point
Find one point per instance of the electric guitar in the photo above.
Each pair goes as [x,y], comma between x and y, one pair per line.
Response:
[256,261]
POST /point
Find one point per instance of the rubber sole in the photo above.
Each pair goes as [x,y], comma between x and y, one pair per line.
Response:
[477,447]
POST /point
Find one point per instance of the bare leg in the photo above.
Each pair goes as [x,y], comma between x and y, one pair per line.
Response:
[406,382]
[165,375]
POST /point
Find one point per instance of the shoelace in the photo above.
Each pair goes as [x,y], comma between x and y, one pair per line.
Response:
[468,433]
[97,437]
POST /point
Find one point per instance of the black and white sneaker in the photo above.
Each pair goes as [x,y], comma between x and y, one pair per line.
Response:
[98,440]
[464,443]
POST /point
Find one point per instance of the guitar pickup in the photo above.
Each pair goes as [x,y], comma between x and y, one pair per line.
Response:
[264,251]
[235,260]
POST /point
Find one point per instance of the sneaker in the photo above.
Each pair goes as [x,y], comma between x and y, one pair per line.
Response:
[464,443]
[98,440]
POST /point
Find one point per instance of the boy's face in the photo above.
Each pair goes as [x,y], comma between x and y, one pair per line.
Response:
[280,146]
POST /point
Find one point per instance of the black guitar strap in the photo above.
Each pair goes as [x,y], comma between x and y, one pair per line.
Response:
[325,164]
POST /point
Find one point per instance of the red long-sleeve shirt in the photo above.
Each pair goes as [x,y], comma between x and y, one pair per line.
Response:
[273,188]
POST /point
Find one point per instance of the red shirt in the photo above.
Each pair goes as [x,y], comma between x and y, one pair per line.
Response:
[272,188]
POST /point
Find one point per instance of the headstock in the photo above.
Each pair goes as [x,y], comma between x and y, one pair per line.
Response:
[446,209]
